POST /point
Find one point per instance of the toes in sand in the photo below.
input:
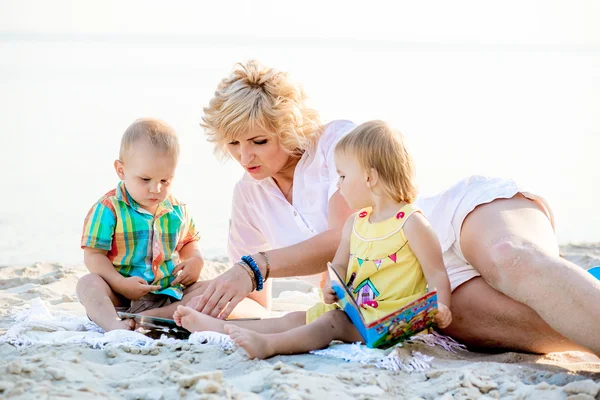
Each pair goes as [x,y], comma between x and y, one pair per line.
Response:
[255,344]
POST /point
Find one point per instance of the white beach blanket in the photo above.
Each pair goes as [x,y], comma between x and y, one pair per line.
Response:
[37,325]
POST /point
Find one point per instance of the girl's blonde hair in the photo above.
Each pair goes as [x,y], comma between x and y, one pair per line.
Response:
[255,96]
[375,145]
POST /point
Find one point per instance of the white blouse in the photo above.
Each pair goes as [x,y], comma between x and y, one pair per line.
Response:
[262,219]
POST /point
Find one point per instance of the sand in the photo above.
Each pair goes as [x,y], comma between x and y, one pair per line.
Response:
[177,369]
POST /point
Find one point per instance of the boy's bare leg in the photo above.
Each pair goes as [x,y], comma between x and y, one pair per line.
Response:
[195,321]
[100,301]
[247,308]
[333,325]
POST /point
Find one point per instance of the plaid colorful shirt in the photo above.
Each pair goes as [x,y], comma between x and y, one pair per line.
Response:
[139,243]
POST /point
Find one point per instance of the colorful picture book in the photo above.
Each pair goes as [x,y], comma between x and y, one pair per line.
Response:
[393,328]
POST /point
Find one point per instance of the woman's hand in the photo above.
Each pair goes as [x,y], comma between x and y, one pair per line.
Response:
[443,318]
[224,293]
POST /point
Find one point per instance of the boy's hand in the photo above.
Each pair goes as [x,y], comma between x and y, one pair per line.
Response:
[329,296]
[443,318]
[134,287]
[190,271]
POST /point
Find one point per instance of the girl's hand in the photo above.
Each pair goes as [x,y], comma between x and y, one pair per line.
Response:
[329,296]
[223,294]
[443,318]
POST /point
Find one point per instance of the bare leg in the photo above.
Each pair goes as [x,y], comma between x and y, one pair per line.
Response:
[245,309]
[484,318]
[100,301]
[333,325]
[512,245]
[195,321]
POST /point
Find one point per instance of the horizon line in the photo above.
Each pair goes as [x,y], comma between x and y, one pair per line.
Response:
[234,40]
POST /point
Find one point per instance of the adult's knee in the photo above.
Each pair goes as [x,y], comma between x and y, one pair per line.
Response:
[514,265]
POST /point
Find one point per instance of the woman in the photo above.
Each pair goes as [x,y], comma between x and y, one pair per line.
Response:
[498,241]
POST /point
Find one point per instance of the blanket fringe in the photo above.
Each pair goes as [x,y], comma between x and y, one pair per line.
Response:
[213,338]
[393,361]
[436,339]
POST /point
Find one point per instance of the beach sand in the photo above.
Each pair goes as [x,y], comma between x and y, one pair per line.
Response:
[169,370]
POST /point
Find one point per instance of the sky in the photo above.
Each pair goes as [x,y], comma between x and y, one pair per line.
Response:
[551,23]
[507,88]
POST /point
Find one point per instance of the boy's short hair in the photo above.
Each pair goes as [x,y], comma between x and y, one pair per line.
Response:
[255,96]
[160,135]
[375,145]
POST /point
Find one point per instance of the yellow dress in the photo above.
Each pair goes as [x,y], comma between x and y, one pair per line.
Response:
[383,273]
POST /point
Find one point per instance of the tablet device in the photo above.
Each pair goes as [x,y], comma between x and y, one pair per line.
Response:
[155,327]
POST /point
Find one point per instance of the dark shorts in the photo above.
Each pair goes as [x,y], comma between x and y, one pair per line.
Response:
[147,302]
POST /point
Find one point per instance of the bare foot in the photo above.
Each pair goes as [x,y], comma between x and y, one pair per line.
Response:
[127,324]
[255,344]
[195,321]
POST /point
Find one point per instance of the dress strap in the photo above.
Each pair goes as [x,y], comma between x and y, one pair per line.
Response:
[403,214]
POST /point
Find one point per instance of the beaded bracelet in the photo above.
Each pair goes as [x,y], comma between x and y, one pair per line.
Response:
[262,253]
[249,260]
[250,273]
[257,275]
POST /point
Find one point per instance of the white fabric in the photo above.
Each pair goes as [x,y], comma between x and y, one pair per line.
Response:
[447,210]
[388,359]
[39,326]
[391,359]
[261,217]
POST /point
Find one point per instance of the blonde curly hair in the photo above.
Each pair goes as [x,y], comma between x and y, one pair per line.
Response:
[255,96]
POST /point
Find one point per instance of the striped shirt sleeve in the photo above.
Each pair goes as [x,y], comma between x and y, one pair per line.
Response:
[99,228]
[189,231]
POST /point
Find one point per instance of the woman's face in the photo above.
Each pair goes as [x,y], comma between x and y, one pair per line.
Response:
[261,154]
